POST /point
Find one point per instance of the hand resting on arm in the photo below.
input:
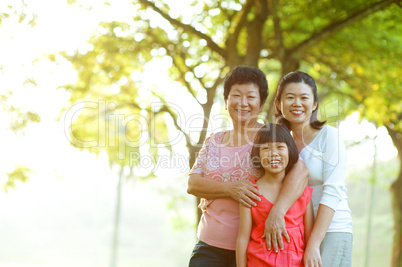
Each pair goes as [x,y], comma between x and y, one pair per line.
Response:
[243,192]
[293,187]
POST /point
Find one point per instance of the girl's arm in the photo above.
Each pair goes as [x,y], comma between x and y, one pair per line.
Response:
[308,221]
[293,187]
[243,192]
[243,238]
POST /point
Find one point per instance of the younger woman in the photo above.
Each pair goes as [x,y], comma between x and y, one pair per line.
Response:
[322,149]
[274,152]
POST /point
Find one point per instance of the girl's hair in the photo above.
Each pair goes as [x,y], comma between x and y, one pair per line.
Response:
[245,75]
[297,77]
[271,133]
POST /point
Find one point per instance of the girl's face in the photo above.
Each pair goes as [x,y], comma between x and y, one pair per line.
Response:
[297,103]
[244,103]
[274,157]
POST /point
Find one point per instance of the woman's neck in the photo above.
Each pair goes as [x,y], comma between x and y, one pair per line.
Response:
[244,127]
[243,133]
[301,131]
[303,134]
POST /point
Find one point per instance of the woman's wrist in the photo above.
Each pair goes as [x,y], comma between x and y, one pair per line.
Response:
[227,189]
[314,241]
[278,211]
[313,244]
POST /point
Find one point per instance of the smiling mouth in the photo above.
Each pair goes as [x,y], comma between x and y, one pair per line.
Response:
[242,111]
[275,163]
[296,112]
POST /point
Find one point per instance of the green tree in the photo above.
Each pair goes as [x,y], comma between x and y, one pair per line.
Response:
[350,47]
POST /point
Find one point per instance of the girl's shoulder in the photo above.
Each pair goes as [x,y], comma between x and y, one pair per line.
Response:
[306,196]
[308,191]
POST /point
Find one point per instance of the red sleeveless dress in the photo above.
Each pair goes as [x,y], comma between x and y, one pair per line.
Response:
[292,254]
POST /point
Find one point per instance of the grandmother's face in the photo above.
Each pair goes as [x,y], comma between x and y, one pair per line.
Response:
[244,103]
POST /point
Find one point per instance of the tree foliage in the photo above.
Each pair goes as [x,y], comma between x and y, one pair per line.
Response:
[17,10]
[12,13]
[351,48]
[112,116]
[20,173]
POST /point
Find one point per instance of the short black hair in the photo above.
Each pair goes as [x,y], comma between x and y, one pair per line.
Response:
[297,77]
[245,75]
[271,133]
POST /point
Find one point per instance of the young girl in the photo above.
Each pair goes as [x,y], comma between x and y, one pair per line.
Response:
[274,152]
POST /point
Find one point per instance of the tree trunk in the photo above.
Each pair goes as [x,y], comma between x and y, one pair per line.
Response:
[289,63]
[193,150]
[370,202]
[396,196]
[115,241]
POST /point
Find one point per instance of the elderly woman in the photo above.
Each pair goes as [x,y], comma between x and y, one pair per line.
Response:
[223,173]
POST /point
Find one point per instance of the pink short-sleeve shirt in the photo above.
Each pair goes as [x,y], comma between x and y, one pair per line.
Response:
[219,222]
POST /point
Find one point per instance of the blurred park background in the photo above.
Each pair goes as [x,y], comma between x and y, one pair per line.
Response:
[103,107]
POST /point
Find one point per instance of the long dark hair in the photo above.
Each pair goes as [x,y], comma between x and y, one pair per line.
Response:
[297,77]
[271,133]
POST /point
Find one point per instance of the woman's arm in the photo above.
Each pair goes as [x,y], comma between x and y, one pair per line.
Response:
[293,187]
[204,187]
[312,256]
[308,221]
[334,171]
[243,237]
[243,192]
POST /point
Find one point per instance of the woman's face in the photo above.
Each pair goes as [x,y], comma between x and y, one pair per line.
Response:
[297,103]
[274,157]
[244,103]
